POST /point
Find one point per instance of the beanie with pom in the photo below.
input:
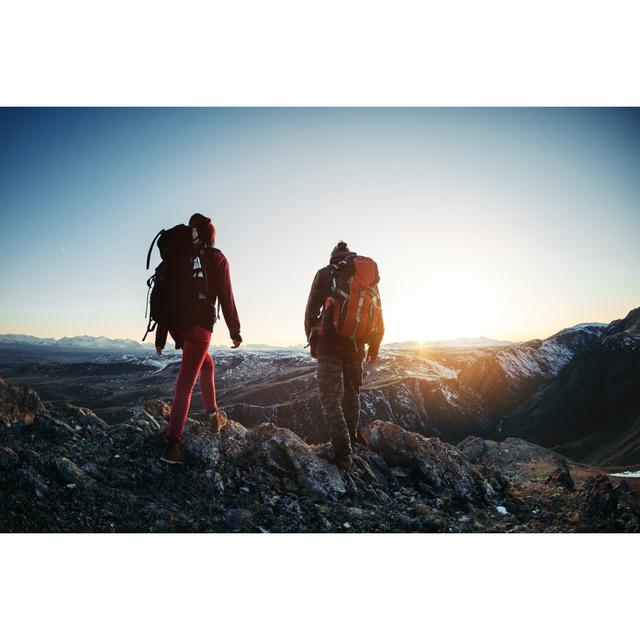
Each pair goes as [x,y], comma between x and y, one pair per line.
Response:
[341,247]
[204,226]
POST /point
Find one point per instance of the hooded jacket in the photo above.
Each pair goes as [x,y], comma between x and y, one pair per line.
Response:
[334,345]
[219,279]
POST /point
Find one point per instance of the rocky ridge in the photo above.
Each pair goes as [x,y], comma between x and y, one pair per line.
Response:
[591,410]
[62,468]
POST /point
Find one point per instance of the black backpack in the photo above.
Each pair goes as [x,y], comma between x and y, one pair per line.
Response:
[179,283]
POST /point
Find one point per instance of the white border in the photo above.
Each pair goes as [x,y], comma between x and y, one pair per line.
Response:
[330,53]
[314,586]
[338,52]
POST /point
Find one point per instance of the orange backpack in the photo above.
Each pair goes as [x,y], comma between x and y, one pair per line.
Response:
[353,309]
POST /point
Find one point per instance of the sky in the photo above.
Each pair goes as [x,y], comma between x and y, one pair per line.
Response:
[506,223]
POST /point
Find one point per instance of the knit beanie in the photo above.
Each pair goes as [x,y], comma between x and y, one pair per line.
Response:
[204,226]
[341,247]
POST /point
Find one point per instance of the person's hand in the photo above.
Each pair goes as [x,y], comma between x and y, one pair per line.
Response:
[159,351]
[236,344]
[372,357]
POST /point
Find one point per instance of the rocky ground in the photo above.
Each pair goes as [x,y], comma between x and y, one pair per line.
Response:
[63,469]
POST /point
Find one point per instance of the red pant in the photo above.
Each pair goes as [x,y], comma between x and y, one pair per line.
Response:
[195,359]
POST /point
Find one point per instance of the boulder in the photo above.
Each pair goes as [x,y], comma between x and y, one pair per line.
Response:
[473,448]
[444,468]
[233,439]
[18,404]
[229,444]
[508,453]
[279,451]
[598,496]
[143,419]
[138,416]
[83,416]
[157,408]
[199,442]
[285,453]
[561,476]
[69,472]
[53,430]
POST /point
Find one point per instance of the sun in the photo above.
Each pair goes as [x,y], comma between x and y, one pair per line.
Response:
[461,308]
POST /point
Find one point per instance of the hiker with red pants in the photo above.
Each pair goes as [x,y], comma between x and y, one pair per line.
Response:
[343,315]
[192,277]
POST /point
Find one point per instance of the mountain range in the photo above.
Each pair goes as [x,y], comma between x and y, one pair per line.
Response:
[77,342]
[104,343]
[591,409]
[576,392]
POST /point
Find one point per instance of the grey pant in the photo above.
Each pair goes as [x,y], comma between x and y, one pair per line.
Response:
[339,381]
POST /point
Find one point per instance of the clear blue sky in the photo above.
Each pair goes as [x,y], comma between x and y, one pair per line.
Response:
[509,223]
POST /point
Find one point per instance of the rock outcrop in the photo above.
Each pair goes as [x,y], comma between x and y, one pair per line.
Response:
[62,468]
[18,404]
[444,469]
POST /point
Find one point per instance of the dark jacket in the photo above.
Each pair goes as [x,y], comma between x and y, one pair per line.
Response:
[216,267]
[333,345]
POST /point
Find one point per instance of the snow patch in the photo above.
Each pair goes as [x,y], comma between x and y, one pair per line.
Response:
[627,474]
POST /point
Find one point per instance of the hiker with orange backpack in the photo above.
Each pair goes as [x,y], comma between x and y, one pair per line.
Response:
[184,289]
[343,315]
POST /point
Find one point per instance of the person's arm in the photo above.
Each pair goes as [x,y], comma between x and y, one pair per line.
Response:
[224,291]
[374,345]
[314,305]
[161,338]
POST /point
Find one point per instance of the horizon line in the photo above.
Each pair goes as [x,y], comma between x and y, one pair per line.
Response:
[302,344]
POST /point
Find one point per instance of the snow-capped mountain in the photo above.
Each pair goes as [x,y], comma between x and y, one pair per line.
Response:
[19,338]
[98,342]
[462,343]
[76,342]
[591,409]
[108,344]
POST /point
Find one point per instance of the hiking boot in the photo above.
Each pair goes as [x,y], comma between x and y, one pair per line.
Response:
[344,461]
[173,453]
[217,420]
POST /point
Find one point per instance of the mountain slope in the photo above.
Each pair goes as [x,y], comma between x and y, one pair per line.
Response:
[505,377]
[591,411]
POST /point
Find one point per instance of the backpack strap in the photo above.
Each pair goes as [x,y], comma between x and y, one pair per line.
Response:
[149,328]
[150,283]
[207,282]
[203,269]
[335,266]
[151,247]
